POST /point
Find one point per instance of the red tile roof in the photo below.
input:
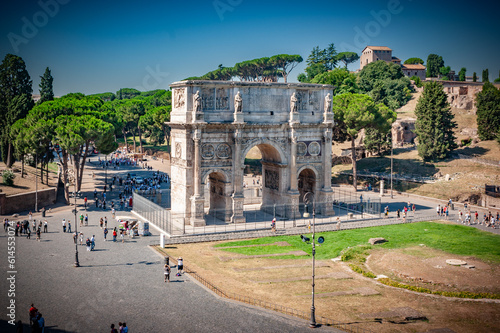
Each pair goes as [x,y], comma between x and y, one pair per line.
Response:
[413,66]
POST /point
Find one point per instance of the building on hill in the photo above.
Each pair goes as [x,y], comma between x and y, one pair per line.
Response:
[396,60]
[374,53]
[414,70]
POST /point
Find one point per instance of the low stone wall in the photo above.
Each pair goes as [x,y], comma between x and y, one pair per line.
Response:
[490,201]
[26,201]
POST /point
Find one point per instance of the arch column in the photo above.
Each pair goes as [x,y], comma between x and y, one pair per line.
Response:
[237,197]
[197,200]
[293,193]
[326,193]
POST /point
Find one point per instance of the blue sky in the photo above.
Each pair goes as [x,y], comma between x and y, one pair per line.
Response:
[98,46]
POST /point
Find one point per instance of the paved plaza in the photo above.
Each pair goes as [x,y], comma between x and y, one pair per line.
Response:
[124,281]
[118,282]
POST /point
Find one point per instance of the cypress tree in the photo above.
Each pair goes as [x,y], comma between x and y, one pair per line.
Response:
[15,100]
[474,77]
[488,112]
[434,125]
[485,76]
[46,89]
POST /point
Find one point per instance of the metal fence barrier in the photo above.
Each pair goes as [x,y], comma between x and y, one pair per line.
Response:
[346,206]
[348,327]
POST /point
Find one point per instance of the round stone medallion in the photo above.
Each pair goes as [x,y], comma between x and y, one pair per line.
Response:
[314,148]
[301,148]
[223,151]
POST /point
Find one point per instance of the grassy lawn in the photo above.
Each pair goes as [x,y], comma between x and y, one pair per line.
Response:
[454,239]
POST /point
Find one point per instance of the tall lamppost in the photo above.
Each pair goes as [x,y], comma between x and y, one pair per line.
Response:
[77,262]
[308,197]
[36,182]
[392,149]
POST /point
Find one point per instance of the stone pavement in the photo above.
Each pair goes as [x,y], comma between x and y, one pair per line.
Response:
[124,282]
[118,282]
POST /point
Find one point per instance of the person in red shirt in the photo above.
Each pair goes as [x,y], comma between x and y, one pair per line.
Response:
[33,313]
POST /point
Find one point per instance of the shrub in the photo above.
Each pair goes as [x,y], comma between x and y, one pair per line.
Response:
[458,294]
[418,81]
[8,177]
[359,270]
[357,253]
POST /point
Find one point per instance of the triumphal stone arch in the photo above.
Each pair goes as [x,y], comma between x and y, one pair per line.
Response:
[215,123]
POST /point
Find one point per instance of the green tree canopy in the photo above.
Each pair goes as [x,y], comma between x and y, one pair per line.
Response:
[485,76]
[462,74]
[15,101]
[354,112]
[347,57]
[46,89]
[413,61]
[340,78]
[106,97]
[434,125]
[385,83]
[445,71]
[285,63]
[127,93]
[319,61]
[434,63]
[488,112]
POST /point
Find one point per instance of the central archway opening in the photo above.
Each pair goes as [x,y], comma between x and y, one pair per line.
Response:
[262,181]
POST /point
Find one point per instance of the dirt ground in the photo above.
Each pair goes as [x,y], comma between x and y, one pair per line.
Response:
[349,297]
[26,183]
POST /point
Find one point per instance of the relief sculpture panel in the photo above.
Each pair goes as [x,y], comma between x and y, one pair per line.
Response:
[222,99]
[179,98]
[272,180]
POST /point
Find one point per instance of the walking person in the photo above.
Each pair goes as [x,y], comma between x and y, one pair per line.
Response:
[273,225]
[75,237]
[166,272]
[28,235]
[105,221]
[81,238]
[38,234]
[121,236]
[85,202]
[87,242]
[180,266]
[64,225]
[86,218]
[113,329]
[81,220]
[114,234]
[92,243]
[69,226]
[101,222]
[105,233]
[45,226]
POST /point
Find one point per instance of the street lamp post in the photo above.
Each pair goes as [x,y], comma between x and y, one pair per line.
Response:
[36,182]
[313,309]
[307,199]
[77,262]
[392,149]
